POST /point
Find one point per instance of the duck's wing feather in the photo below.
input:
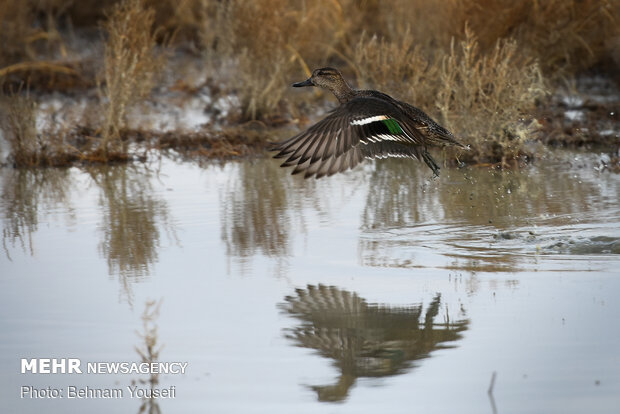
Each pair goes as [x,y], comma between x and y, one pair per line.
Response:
[395,149]
[365,127]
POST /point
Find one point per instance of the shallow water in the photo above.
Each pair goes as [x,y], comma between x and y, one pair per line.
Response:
[378,290]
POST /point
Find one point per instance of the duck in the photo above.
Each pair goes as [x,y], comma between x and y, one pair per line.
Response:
[368,124]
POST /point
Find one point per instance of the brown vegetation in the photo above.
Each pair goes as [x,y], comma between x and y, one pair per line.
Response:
[489,99]
[270,41]
[15,31]
[564,36]
[222,144]
[130,67]
[482,67]
[19,124]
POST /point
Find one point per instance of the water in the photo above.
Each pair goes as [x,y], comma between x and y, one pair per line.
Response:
[379,290]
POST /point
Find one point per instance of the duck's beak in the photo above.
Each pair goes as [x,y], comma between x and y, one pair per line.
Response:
[307,82]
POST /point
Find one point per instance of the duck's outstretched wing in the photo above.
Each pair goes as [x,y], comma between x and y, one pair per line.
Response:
[364,127]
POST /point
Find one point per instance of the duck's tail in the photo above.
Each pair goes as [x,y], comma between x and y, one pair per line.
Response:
[441,137]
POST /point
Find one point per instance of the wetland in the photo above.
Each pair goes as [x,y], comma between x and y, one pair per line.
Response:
[143,222]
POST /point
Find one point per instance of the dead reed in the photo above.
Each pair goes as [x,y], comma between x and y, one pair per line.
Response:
[480,66]
[482,79]
[564,35]
[489,99]
[399,67]
[270,42]
[19,126]
[29,147]
[231,142]
[130,66]
[486,99]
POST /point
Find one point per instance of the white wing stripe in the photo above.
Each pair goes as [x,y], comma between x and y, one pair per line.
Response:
[380,138]
[370,120]
[386,137]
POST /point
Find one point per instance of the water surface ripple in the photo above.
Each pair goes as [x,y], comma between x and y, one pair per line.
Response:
[381,289]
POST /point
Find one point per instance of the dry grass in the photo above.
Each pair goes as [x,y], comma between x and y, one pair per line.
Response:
[130,67]
[479,66]
[16,29]
[564,35]
[19,126]
[486,99]
[489,99]
[29,32]
[223,144]
[29,147]
[398,67]
[271,40]
[483,79]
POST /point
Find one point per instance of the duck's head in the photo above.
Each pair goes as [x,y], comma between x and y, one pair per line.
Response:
[328,78]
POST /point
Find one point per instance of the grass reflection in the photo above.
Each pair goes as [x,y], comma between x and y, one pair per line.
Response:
[28,194]
[260,207]
[149,351]
[366,340]
[401,196]
[263,207]
[480,219]
[254,211]
[133,219]
[133,214]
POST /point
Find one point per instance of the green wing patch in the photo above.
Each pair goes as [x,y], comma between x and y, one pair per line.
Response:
[393,126]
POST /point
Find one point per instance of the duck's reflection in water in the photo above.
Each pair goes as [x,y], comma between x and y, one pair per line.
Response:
[365,340]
